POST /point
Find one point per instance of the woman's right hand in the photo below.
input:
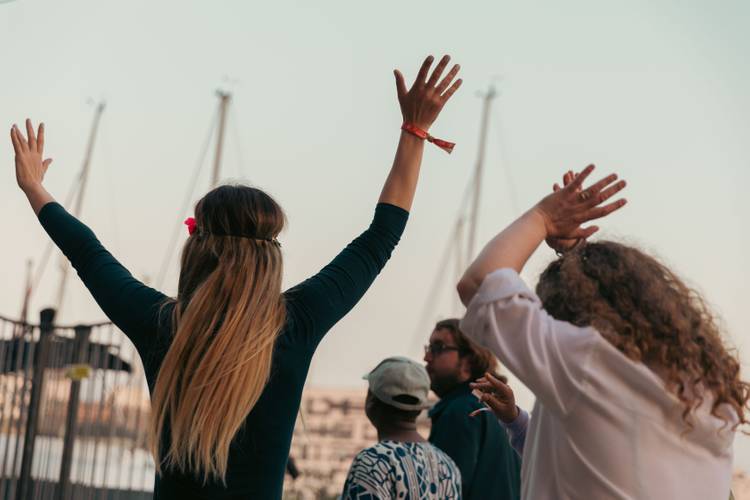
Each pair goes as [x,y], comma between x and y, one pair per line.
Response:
[566,209]
[30,165]
[422,103]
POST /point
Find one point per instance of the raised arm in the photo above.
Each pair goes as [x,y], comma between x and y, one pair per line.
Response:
[325,298]
[558,215]
[130,304]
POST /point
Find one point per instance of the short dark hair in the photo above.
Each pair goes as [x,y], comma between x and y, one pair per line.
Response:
[393,413]
[481,360]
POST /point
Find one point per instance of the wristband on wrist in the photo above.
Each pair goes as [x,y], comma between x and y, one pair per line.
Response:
[422,134]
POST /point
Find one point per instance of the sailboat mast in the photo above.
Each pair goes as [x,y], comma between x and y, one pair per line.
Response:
[224,99]
[26,294]
[478,170]
[80,195]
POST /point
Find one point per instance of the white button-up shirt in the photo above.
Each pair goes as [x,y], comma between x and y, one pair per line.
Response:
[603,426]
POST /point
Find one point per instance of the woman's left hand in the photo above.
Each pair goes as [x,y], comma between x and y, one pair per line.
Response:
[422,103]
[566,209]
[30,165]
[562,245]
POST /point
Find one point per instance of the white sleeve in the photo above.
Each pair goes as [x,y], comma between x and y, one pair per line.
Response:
[548,356]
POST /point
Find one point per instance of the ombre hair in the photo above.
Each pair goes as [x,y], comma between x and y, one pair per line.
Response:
[227,315]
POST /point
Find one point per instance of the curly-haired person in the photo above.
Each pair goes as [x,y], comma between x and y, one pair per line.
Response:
[637,396]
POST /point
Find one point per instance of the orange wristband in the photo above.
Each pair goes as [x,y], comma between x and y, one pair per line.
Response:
[422,134]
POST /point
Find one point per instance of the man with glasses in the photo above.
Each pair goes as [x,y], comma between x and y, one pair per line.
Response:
[479,445]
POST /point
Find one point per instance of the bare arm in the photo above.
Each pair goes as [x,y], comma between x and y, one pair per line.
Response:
[420,106]
[558,215]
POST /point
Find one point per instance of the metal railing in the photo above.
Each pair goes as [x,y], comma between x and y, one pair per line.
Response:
[74,410]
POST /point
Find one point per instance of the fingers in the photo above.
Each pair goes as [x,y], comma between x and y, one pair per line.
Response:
[40,139]
[590,194]
[45,164]
[603,211]
[483,385]
[611,191]
[583,233]
[500,387]
[448,78]
[451,90]
[20,140]
[555,187]
[578,180]
[600,194]
[494,403]
[568,178]
[400,84]
[15,140]
[422,75]
[438,70]
[30,135]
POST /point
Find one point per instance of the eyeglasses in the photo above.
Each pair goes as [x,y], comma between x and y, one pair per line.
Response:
[437,348]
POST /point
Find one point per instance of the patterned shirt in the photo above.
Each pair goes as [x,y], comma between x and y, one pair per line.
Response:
[402,471]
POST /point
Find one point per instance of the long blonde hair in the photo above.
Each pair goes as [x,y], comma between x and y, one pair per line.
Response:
[228,312]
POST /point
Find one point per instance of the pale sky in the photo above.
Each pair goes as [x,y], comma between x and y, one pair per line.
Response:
[656,91]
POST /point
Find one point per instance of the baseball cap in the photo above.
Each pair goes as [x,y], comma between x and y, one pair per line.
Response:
[400,382]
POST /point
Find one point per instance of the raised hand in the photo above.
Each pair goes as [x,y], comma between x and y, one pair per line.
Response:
[498,395]
[30,165]
[562,245]
[422,103]
[566,209]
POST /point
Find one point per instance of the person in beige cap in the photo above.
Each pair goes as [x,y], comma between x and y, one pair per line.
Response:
[402,464]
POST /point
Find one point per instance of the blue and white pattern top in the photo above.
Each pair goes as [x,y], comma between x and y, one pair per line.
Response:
[402,471]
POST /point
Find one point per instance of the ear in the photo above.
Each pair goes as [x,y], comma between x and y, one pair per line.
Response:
[464,368]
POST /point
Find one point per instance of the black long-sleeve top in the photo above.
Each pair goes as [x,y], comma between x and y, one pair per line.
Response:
[258,454]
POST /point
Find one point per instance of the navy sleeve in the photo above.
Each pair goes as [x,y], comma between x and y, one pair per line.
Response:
[131,305]
[321,301]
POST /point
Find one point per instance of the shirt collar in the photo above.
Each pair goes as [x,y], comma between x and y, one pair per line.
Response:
[455,393]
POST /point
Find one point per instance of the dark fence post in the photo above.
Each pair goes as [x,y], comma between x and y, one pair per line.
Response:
[81,353]
[47,317]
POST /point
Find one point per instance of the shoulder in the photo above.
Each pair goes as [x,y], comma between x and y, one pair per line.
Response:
[443,457]
[460,407]
[372,469]
[452,423]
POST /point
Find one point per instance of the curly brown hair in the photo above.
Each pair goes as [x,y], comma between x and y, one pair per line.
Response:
[651,316]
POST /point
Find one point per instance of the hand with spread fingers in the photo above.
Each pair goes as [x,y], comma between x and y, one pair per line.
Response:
[566,209]
[497,394]
[30,164]
[422,103]
[562,245]
[558,216]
